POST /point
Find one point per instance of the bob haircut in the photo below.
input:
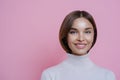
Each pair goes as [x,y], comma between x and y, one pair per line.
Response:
[67,24]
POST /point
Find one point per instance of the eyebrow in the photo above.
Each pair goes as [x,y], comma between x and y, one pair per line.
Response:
[88,28]
[76,29]
[73,29]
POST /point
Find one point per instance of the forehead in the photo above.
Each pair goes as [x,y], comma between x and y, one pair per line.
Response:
[81,23]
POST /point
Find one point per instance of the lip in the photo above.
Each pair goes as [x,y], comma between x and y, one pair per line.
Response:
[80,45]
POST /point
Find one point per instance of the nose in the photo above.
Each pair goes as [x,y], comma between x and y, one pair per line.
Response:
[80,37]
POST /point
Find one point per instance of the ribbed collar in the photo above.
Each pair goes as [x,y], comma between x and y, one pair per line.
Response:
[79,61]
[78,58]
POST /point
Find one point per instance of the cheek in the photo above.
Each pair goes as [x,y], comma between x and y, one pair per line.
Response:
[70,39]
[90,38]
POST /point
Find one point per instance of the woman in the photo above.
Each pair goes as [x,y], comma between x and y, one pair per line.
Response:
[77,36]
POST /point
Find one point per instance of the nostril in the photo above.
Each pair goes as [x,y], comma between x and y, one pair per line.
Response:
[80,39]
[81,36]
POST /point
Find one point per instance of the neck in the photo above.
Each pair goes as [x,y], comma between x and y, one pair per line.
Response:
[78,54]
[80,61]
[78,58]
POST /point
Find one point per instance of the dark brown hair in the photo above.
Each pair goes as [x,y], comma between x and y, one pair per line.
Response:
[67,24]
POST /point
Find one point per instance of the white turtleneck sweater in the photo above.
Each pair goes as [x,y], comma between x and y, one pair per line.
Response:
[77,68]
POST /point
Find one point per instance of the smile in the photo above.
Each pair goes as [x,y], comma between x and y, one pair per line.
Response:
[80,45]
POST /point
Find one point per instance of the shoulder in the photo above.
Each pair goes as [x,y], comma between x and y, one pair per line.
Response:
[51,71]
[106,72]
[55,68]
[110,75]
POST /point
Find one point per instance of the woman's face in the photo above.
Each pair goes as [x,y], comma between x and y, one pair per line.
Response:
[80,36]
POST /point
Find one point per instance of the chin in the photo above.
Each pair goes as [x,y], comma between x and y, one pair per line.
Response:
[80,53]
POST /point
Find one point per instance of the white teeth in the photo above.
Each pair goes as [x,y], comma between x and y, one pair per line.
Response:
[80,46]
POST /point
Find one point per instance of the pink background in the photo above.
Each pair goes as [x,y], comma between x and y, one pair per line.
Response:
[29,35]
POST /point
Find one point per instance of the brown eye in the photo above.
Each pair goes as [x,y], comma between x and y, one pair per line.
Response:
[73,32]
[88,32]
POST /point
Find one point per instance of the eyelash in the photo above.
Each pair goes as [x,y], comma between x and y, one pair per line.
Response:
[88,32]
[72,32]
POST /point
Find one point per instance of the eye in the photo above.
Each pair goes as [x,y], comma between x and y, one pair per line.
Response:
[88,32]
[73,32]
